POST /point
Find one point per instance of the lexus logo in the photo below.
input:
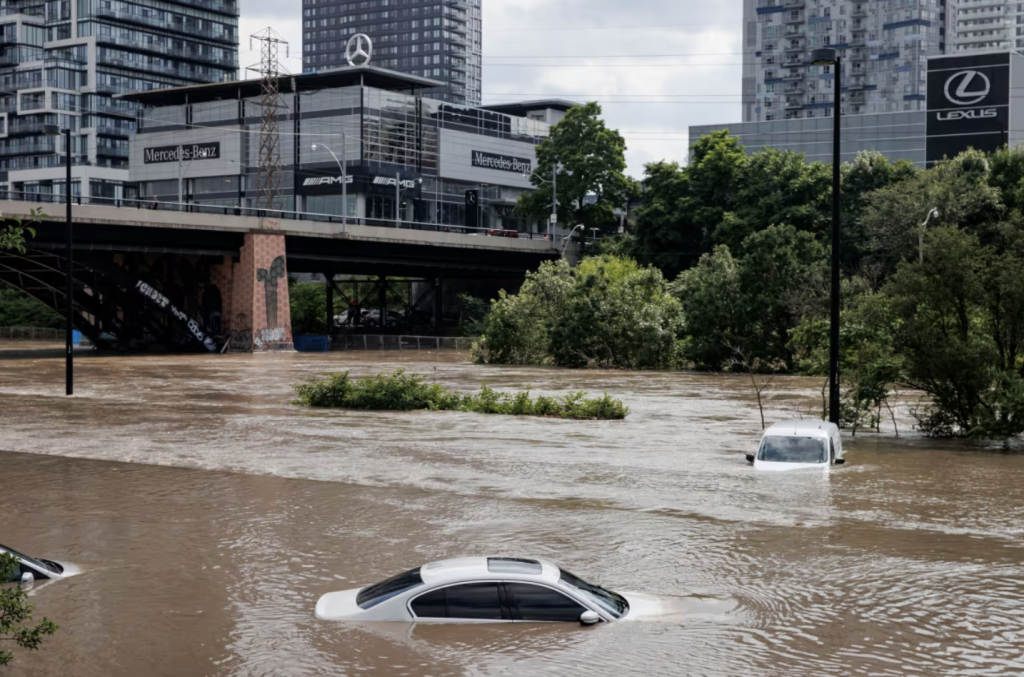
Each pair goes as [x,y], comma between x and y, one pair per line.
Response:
[967,88]
[359,47]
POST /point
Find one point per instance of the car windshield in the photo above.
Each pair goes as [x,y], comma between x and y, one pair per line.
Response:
[373,595]
[793,450]
[612,602]
[30,560]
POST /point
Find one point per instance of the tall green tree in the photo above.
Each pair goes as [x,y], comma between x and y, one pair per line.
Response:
[778,187]
[609,312]
[749,304]
[684,206]
[590,161]
[893,216]
[870,171]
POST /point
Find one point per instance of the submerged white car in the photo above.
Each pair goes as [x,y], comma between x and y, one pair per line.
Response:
[33,569]
[486,590]
[792,445]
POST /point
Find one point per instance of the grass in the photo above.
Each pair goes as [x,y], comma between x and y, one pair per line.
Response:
[400,391]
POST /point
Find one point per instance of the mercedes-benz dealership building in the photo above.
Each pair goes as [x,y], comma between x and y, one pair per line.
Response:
[974,101]
[407,158]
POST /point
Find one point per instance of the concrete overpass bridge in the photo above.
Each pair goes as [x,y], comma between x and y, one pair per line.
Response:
[189,276]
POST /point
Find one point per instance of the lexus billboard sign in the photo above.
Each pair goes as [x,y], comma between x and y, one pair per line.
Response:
[968,104]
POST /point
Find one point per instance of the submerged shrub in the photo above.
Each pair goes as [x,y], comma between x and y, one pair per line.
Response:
[400,391]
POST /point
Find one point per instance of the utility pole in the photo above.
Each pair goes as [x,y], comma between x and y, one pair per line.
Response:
[269,177]
[398,198]
[554,204]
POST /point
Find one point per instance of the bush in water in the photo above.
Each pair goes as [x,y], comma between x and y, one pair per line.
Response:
[407,392]
[16,614]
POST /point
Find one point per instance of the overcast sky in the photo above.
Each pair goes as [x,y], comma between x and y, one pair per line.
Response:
[528,45]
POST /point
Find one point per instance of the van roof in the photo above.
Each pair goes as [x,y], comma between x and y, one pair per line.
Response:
[804,428]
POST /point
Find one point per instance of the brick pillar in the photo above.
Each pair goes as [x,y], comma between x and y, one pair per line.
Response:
[259,294]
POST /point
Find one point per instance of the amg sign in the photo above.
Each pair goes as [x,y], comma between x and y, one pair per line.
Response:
[184,152]
[393,182]
[504,163]
[328,180]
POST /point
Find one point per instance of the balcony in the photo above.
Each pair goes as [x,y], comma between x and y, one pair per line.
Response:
[218,6]
[793,4]
[162,24]
[111,152]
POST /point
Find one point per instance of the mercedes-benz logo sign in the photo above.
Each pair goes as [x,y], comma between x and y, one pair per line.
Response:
[359,47]
[971,88]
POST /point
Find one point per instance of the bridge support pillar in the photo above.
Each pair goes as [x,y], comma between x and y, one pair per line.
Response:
[260,303]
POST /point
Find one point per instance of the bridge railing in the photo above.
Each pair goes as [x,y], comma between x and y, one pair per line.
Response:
[199,208]
[399,342]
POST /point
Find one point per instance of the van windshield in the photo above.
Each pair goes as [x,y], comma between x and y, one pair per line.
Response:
[793,450]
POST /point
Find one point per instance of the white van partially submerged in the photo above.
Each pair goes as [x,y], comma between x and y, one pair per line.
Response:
[792,445]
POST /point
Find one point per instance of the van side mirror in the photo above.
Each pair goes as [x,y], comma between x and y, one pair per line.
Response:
[840,461]
[589,618]
[750,458]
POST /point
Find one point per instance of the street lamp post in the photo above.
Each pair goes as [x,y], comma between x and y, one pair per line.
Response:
[342,165]
[920,236]
[830,57]
[69,329]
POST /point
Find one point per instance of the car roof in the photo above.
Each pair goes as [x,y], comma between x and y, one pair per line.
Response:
[802,428]
[462,568]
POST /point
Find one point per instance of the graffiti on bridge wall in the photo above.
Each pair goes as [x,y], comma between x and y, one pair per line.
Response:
[276,335]
[165,303]
[269,278]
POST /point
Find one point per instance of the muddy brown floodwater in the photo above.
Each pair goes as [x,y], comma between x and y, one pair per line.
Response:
[209,515]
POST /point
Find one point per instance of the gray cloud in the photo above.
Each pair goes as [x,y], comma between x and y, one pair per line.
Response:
[562,28]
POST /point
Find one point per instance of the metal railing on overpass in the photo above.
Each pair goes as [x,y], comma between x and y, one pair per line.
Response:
[198,208]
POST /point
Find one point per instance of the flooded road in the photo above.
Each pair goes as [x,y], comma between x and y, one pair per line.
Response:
[205,554]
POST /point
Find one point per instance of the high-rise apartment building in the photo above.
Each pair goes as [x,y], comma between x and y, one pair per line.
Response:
[436,39]
[61,61]
[984,26]
[884,46]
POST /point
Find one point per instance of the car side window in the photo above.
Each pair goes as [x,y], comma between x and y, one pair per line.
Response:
[430,605]
[475,601]
[537,603]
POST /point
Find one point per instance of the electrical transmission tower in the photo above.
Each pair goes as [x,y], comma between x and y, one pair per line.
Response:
[269,177]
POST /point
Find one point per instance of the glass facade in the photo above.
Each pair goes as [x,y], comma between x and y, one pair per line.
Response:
[107,47]
[884,48]
[895,135]
[437,39]
[390,142]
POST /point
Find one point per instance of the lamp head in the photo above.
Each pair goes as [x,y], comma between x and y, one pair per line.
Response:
[826,56]
[314,146]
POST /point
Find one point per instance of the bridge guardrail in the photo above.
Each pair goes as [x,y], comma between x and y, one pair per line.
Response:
[31,334]
[218,210]
[398,342]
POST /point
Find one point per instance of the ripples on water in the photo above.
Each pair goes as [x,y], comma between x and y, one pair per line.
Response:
[908,561]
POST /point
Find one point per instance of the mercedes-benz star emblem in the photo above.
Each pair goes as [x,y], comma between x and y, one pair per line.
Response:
[472,198]
[971,88]
[359,47]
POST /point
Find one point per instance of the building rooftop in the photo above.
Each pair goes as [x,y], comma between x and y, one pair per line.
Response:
[521,108]
[380,78]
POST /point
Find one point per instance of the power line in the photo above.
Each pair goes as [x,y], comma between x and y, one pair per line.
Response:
[598,28]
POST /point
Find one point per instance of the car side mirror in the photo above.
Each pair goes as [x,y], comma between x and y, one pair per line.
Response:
[589,618]
[840,461]
[27,578]
[750,458]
